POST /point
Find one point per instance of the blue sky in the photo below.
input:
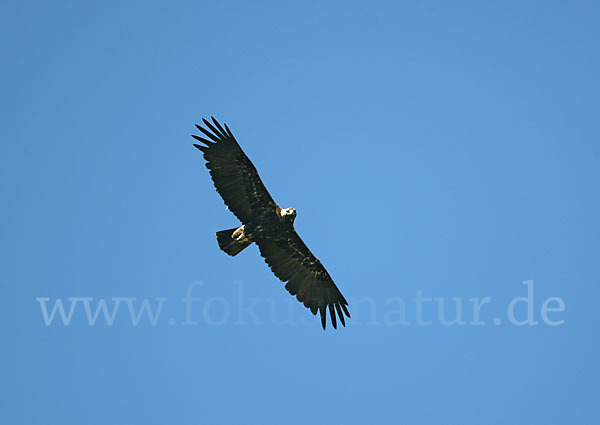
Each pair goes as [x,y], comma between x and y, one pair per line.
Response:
[432,149]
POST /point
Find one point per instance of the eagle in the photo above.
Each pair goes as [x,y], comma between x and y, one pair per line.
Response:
[266,224]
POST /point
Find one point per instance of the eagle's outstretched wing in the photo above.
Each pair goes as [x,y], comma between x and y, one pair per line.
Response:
[292,262]
[234,176]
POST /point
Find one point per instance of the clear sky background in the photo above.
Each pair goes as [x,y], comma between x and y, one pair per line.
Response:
[447,148]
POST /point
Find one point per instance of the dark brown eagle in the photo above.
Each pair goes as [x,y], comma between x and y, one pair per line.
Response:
[267,225]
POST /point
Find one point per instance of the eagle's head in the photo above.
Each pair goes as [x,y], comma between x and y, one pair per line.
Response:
[288,213]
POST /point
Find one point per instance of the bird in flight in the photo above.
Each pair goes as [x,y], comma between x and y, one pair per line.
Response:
[267,225]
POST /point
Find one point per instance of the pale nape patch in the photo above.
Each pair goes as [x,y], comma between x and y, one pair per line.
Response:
[287,211]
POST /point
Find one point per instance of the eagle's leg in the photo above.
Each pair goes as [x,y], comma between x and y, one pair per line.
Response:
[239,235]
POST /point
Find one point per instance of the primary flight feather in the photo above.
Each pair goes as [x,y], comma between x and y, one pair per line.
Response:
[267,225]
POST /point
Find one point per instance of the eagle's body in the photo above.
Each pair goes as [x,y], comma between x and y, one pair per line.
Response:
[267,225]
[272,224]
[276,225]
